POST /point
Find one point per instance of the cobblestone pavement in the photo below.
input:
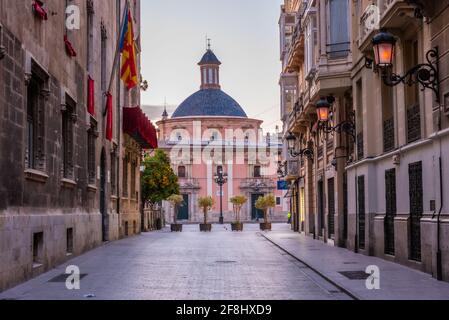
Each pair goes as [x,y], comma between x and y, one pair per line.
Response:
[188,265]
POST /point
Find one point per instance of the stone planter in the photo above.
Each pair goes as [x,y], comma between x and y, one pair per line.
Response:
[205,227]
[237,226]
[176,228]
[266,226]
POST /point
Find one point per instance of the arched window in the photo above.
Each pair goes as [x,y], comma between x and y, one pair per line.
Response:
[181,171]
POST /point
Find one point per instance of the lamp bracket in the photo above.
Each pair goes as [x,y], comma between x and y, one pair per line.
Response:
[425,74]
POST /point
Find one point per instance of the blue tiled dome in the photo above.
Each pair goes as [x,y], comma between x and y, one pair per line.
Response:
[209,102]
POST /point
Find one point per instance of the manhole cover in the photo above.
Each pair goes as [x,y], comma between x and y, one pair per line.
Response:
[355,275]
[225,261]
[63,277]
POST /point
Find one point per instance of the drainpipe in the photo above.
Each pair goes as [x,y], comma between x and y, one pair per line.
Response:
[356,238]
[439,260]
[438,253]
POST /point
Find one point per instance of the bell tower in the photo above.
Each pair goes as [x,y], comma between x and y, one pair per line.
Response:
[210,70]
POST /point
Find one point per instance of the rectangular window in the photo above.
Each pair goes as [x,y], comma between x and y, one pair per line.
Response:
[338,45]
[257,172]
[69,236]
[331,207]
[38,245]
[210,77]
[103,57]
[90,34]
[133,179]
[361,210]
[360,143]
[68,118]
[278,201]
[92,135]
[310,44]
[388,118]
[36,89]
[113,173]
[412,95]
[125,176]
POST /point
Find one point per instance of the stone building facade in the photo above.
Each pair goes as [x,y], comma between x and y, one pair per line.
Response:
[390,192]
[60,178]
[316,62]
[208,132]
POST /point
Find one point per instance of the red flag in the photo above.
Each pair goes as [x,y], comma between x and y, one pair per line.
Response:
[91,96]
[39,11]
[109,116]
[68,47]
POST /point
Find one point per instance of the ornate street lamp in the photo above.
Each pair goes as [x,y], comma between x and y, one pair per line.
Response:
[291,143]
[425,74]
[384,45]
[323,108]
[220,179]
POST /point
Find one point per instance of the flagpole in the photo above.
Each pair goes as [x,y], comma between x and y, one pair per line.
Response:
[117,50]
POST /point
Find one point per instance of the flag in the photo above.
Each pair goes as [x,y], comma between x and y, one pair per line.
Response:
[127,47]
[109,116]
[91,96]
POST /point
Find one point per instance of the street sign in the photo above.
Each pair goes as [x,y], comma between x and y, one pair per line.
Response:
[283,185]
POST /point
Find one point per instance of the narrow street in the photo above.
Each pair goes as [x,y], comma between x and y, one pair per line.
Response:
[186,266]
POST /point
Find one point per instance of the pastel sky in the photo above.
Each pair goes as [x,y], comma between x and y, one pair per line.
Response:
[245,37]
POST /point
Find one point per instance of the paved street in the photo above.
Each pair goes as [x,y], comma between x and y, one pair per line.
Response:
[189,265]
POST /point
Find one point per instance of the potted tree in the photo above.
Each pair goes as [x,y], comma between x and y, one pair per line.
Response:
[237,203]
[158,180]
[206,204]
[176,201]
[264,204]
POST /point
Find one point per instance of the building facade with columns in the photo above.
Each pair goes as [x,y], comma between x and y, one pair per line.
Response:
[209,132]
[62,182]
[390,192]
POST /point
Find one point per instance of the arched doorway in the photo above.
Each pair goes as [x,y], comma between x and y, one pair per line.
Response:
[103,207]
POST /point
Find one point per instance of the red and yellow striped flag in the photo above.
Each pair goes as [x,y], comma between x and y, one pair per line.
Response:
[128,70]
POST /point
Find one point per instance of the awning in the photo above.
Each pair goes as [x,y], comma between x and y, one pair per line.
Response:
[139,127]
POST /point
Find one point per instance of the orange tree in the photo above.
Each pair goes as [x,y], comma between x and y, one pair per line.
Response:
[158,178]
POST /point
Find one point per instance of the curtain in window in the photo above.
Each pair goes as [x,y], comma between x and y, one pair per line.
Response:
[338,28]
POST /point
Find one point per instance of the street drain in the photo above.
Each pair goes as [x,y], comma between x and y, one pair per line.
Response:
[225,261]
[350,262]
[355,275]
[63,277]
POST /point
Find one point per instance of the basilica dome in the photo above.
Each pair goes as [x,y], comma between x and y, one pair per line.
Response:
[209,102]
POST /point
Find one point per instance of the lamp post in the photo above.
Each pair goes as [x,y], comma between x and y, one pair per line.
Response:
[425,74]
[291,143]
[220,179]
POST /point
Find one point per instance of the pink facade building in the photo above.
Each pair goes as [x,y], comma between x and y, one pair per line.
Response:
[209,132]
